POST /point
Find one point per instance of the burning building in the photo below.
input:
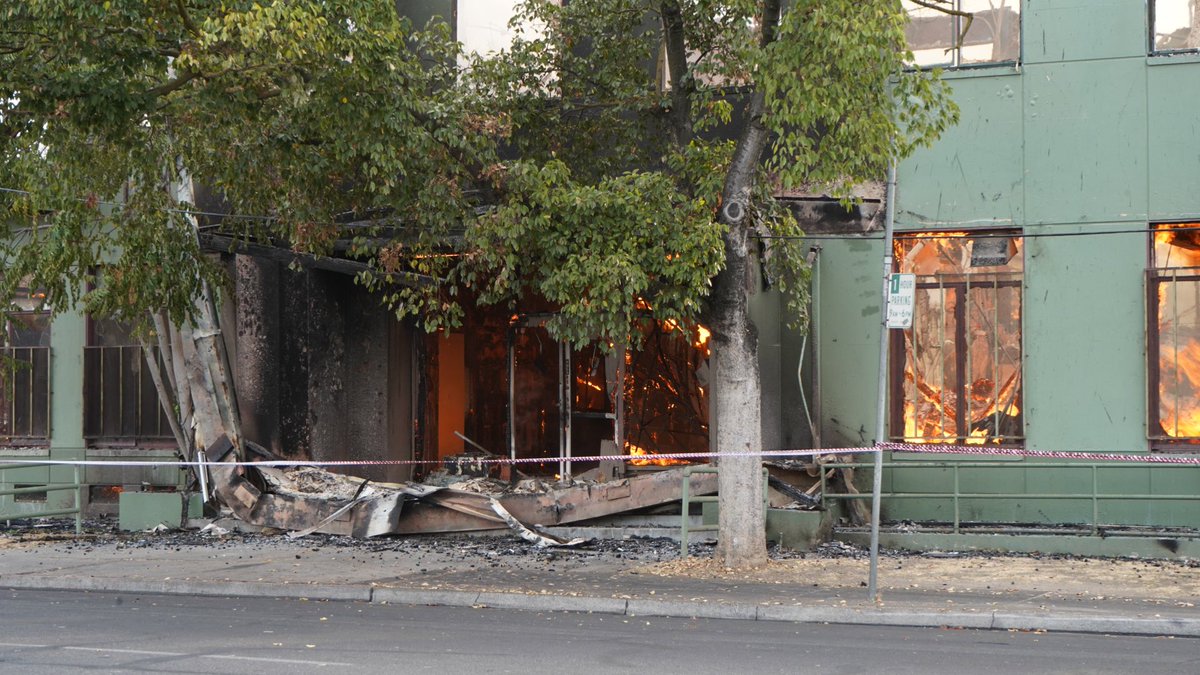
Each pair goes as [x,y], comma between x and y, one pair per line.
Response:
[1053,238]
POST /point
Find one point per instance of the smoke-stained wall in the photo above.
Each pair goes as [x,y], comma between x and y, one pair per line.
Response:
[323,370]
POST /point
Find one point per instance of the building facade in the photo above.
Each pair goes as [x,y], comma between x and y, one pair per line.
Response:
[1053,237]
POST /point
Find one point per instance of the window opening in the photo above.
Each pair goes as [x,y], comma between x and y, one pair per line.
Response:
[25,371]
[1173,348]
[978,32]
[956,374]
[120,403]
[1174,26]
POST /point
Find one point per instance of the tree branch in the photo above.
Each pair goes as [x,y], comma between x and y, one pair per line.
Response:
[677,69]
[172,84]
[187,19]
[938,5]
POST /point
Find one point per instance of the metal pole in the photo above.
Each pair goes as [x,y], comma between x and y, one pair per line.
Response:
[881,400]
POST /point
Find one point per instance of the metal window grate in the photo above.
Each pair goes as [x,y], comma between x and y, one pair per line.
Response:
[957,372]
[120,402]
[25,395]
[1174,355]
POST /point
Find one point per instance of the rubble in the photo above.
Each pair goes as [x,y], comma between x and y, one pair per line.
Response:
[309,499]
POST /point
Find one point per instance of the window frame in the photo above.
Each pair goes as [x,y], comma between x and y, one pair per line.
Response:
[33,381]
[956,63]
[1152,44]
[1157,275]
[131,368]
[897,384]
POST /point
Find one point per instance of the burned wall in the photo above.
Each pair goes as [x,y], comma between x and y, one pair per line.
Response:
[323,370]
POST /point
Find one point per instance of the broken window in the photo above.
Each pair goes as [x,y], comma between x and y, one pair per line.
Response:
[504,386]
[956,33]
[956,374]
[25,371]
[1173,348]
[120,403]
[1175,25]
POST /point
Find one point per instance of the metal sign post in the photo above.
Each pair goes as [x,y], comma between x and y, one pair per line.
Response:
[885,324]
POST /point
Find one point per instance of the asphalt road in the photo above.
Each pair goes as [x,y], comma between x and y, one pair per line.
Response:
[57,632]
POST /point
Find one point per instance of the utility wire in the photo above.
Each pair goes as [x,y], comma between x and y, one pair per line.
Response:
[967,233]
[1009,232]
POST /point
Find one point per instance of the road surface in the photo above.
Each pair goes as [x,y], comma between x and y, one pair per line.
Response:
[63,632]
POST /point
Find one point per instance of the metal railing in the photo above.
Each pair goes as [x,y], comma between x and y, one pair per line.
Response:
[685,529]
[120,402]
[25,395]
[8,489]
[1095,496]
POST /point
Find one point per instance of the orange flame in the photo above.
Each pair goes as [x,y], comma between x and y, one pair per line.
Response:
[1177,245]
[943,402]
[648,458]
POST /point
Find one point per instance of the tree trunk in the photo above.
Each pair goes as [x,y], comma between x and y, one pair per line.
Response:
[741,531]
[742,534]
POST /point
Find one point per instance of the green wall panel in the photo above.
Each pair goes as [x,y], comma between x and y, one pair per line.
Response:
[1084,348]
[1174,139]
[849,310]
[974,175]
[992,480]
[1074,30]
[1085,142]
[67,338]
[766,311]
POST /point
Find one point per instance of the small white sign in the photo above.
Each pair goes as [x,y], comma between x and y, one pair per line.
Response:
[902,295]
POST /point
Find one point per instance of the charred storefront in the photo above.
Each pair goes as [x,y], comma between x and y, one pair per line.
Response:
[325,373]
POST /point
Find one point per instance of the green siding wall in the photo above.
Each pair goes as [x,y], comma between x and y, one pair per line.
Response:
[1173,87]
[1084,341]
[975,175]
[1088,135]
[849,335]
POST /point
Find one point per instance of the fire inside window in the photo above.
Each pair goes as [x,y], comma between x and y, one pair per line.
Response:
[1173,349]
[956,374]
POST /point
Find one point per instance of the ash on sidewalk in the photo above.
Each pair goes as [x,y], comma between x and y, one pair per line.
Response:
[644,576]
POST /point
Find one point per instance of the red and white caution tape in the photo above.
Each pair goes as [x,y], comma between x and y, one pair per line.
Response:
[1193,460]
[1045,454]
[678,456]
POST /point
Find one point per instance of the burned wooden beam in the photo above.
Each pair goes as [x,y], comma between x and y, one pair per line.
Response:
[225,244]
[456,511]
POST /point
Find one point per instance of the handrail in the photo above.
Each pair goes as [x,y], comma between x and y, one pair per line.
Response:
[1095,495]
[46,488]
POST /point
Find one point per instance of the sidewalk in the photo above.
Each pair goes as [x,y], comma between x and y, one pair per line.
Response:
[634,578]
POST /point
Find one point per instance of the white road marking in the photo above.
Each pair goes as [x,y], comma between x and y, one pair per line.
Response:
[139,652]
[235,657]
[225,657]
[22,646]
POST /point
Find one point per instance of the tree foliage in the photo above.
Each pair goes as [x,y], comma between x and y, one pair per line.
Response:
[582,166]
[299,114]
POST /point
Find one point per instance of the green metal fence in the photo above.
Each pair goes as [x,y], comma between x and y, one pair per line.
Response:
[1095,496]
[7,489]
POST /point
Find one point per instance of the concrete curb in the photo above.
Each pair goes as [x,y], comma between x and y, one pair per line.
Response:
[232,589]
[700,610]
[404,596]
[1098,624]
[640,607]
[874,617]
